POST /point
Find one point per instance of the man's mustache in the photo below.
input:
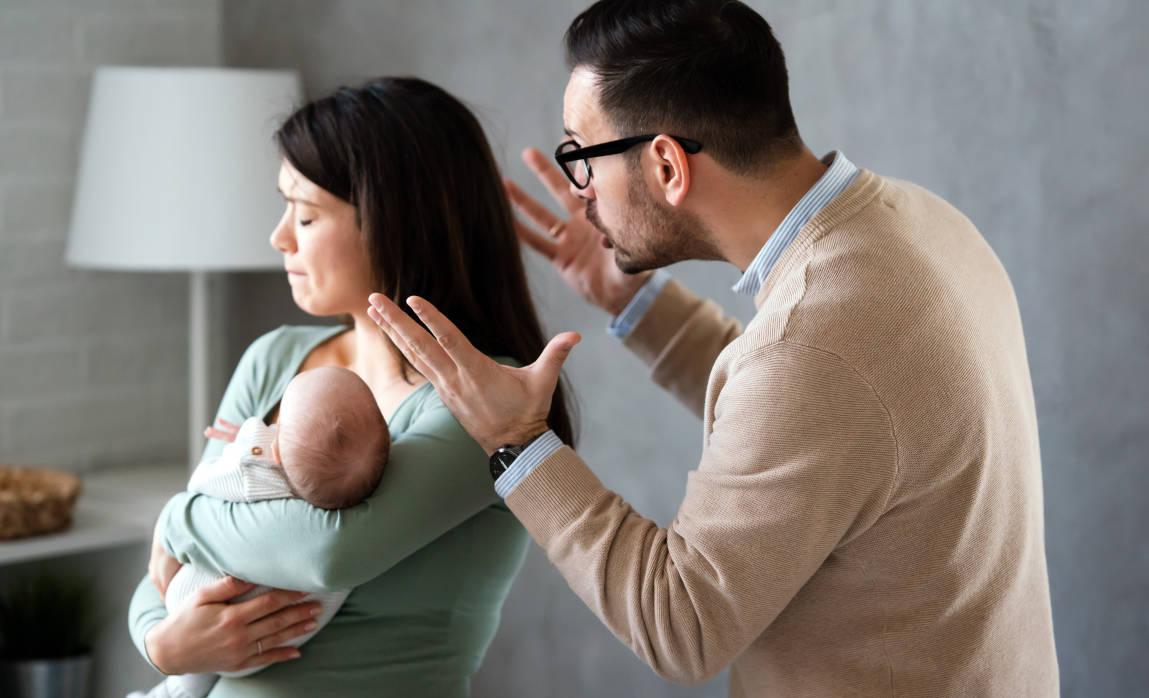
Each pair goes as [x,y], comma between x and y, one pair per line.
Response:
[592,216]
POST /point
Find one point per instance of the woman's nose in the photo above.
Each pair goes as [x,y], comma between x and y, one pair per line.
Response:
[283,237]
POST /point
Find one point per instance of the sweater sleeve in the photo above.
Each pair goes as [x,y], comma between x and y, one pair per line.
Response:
[436,478]
[679,337]
[800,458]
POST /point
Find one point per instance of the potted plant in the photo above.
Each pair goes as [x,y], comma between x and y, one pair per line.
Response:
[47,629]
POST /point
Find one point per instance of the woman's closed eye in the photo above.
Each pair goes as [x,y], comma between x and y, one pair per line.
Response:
[306,222]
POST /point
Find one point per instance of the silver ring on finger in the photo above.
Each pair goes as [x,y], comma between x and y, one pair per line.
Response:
[259,646]
[557,228]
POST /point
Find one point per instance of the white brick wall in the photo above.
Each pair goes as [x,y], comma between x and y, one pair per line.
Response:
[93,365]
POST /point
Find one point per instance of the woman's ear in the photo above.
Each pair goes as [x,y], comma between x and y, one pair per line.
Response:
[672,175]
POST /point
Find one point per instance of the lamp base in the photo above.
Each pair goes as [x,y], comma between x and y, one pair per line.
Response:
[199,363]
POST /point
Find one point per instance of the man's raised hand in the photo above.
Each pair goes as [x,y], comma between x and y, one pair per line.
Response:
[573,246]
[496,404]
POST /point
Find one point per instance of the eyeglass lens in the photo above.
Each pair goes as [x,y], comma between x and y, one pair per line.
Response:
[577,170]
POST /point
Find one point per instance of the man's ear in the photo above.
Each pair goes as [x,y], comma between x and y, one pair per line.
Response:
[672,175]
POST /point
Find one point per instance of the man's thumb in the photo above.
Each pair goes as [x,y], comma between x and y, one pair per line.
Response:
[556,353]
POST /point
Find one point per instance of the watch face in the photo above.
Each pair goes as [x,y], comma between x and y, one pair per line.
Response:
[500,461]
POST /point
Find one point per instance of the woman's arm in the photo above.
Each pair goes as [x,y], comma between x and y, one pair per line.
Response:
[210,634]
[436,478]
[147,606]
[147,609]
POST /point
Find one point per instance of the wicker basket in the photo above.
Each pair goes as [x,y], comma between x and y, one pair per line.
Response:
[35,501]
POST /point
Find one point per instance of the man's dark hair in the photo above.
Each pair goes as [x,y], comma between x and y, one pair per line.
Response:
[709,70]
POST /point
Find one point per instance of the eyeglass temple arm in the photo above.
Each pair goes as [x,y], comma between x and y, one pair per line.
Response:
[623,144]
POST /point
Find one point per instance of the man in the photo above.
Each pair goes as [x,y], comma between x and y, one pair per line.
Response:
[866,518]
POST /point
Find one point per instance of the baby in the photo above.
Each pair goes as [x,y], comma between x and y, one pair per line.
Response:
[329,449]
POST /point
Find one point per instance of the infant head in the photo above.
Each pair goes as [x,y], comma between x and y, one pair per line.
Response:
[333,440]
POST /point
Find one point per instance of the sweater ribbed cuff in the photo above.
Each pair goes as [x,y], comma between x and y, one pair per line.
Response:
[558,491]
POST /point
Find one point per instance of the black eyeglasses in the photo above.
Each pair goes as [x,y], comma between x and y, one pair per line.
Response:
[573,160]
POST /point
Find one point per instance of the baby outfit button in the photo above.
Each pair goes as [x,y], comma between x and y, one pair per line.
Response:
[256,451]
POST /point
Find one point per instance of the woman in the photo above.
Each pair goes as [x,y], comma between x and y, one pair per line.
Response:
[390,187]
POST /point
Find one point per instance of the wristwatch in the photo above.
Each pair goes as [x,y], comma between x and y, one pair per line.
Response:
[504,456]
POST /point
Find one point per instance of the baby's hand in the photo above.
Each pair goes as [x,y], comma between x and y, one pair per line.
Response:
[223,431]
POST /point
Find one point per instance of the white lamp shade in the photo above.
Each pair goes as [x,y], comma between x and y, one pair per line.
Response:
[178,169]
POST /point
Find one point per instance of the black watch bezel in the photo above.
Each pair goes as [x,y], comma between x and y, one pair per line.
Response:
[502,459]
[504,456]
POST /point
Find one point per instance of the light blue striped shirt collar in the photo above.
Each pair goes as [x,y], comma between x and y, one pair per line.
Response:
[831,183]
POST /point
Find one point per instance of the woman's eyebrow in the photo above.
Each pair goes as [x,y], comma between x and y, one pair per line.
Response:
[295,199]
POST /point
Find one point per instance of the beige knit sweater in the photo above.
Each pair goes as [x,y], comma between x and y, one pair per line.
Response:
[866,518]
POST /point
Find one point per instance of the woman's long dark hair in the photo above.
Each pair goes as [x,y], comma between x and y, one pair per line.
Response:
[415,164]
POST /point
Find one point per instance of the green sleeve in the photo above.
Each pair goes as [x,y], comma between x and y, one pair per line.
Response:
[147,607]
[436,478]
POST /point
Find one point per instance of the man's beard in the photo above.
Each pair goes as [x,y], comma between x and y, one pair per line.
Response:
[592,217]
[658,235]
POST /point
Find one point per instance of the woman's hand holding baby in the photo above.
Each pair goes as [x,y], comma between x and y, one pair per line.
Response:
[210,635]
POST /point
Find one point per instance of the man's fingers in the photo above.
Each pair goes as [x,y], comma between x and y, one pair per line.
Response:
[554,180]
[400,344]
[226,424]
[420,348]
[542,244]
[458,347]
[537,213]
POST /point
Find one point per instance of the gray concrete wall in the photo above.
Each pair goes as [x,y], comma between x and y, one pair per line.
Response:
[1030,116]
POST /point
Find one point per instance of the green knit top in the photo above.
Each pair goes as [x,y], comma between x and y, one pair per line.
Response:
[430,556]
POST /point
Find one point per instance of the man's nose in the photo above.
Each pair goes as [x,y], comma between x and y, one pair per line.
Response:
[586,194]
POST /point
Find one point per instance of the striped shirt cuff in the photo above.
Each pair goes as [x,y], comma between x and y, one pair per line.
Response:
[634,311]
[540,449]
